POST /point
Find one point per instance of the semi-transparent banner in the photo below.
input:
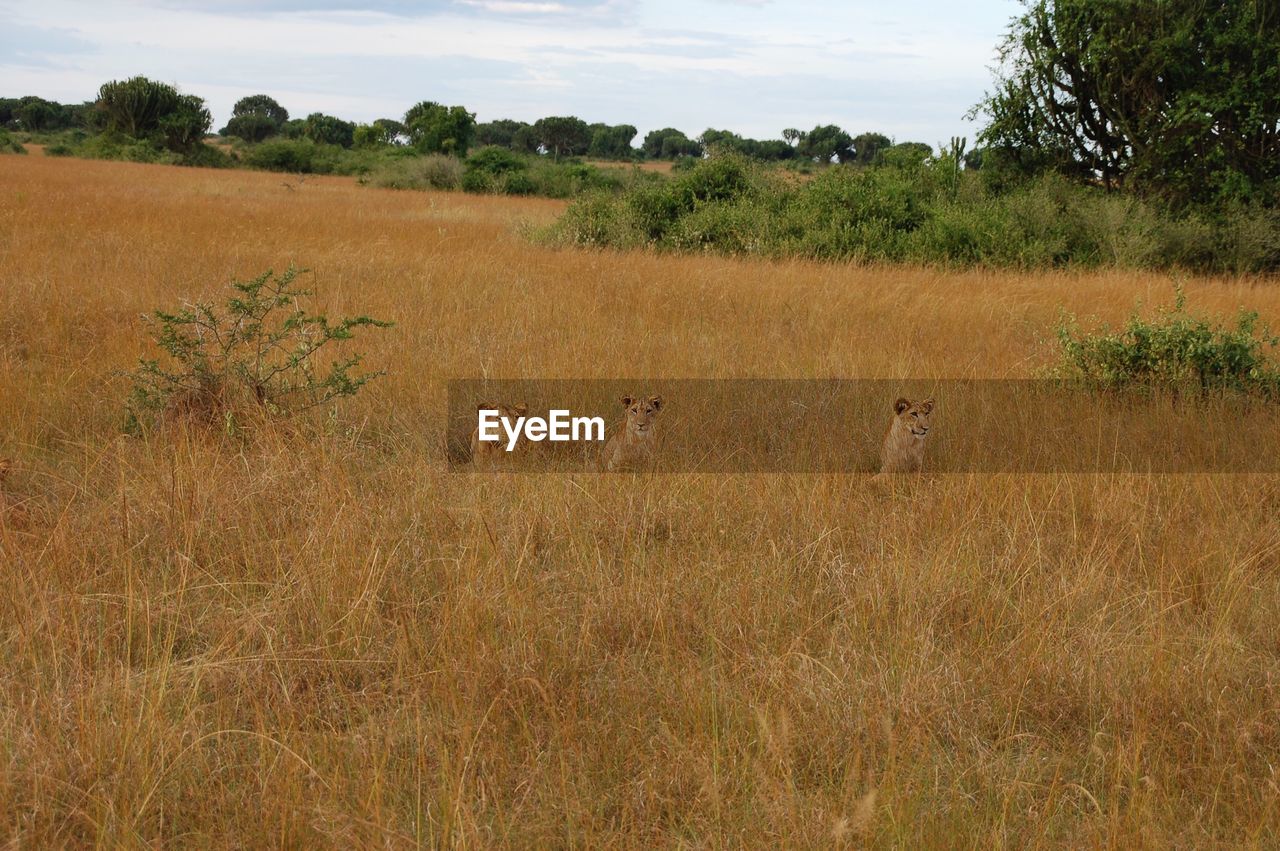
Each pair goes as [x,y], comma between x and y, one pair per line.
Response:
[840,426]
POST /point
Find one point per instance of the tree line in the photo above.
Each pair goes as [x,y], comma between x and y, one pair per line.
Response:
[1175,99]
[143,108]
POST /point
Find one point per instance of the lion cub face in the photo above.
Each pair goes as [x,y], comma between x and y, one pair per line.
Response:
[914,416]
[507,412]
[641,414]
[485,449]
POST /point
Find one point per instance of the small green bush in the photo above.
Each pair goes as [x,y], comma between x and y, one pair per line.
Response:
[291,155]
[261,351]
[519,183]
[59,150]
[1173,350]
[9,145]
[494,162]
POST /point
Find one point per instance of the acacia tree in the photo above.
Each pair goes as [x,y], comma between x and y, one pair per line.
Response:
[1175,97]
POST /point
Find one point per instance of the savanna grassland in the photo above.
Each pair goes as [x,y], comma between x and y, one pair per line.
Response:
[317,634]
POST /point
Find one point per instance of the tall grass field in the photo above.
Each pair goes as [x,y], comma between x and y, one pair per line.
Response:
[317,632]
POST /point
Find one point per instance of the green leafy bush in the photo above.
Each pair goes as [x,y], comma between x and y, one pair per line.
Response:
[1173,350]
[262,351]
[9,145]
[292,155]
[917,209]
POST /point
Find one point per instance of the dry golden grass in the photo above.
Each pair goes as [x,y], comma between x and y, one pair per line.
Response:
[338,641]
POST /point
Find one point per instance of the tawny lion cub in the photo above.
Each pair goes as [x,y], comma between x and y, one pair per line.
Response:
[484,451]
[903,450]
[631,448]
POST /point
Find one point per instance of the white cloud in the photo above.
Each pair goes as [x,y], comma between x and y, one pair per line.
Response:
[516,6]
[751,67]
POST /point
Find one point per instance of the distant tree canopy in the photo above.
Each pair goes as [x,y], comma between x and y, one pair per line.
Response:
[668,144]
[500,133]
[147,109]
[135,106]
[328,130]
[768,149]
[393,131]
[611,142]
[867,147]
[185,126]
[434,128]
[905,154]
[37,115]
[563,135]
[825,143]
[255,118]
[144,108]
[383,131]
[1179,98]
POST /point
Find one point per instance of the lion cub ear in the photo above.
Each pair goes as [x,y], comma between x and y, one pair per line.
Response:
[627,401]
[927,405]
[521,409]
[656,401]
[486,406]
[901,405]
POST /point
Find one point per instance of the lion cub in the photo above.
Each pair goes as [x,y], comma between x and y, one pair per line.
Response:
[483,451]
[903,449]
[632,447]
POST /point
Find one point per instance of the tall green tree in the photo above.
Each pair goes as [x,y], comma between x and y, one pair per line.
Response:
[185,126]
[563,135]
[255,118]
[611,142]
[261,105]
[329,130]
[668,144]
[867,147]
[1179,98]
[436,128]
[135,106]
[498,133]
[36,114]
[825,143]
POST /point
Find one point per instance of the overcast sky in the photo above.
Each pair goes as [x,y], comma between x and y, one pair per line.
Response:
[910,70]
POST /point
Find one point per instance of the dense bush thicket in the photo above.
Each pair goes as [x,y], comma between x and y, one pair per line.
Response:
[925,210]
[9,145]
[493,170]
[1173,350]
